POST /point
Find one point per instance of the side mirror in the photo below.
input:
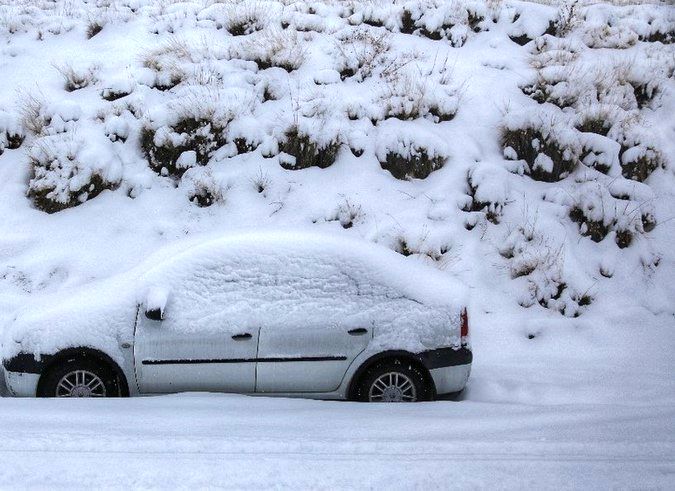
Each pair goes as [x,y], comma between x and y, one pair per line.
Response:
[154,314]
[155,303]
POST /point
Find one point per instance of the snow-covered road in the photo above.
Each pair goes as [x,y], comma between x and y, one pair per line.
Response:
[233,441]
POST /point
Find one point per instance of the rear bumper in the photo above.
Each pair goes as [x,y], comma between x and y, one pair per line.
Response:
[450,379]
[449,368]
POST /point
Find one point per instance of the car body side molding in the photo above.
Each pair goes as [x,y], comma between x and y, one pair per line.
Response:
[243,360]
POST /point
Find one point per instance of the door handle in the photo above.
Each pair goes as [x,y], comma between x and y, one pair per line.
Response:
[240,337]
[358,331]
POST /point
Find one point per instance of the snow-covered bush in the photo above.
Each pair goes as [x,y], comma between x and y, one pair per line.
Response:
[598,212]
[451,21]
[270,48]
[568,17]
[188,130]
[30,108]
[261,182]
[537,264]
[241,20]
[639,161]
[659,35]
[66,171]
[639,155]
[118,87]
[117,125]
[375,15]
[171,150]
[598,152]
[487,190]
[550,150]
[94,27]
[619,37]
[410,96]
[436,20]
[410,150]
[170,63]
[597,118]
[11,132]
[306,151]
[347,213]
[360,52]
[76,78]
[202,187]
[411,161]
[42,118]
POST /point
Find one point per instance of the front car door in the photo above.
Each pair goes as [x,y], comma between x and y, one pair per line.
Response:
[170,358]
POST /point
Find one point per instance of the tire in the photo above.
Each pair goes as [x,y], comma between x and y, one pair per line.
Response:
[394,380]
[79,377]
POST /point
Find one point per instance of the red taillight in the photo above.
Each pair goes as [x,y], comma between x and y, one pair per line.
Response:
[464,330]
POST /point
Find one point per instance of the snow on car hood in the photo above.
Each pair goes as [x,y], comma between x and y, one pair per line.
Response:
[273,280]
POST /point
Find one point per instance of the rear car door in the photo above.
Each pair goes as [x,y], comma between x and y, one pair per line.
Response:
[307,358]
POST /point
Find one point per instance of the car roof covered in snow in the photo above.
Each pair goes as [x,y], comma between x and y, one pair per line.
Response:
[411,277]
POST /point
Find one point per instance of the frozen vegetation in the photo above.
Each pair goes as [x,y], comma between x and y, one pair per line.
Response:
[526,149]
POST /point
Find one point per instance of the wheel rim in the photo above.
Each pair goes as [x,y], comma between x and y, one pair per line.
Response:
[80,383]
[392,387]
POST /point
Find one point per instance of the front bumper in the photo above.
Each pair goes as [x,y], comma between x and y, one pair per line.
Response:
[21,384]
[22,373]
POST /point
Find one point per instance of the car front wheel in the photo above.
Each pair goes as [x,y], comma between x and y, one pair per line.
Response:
[79,378]
[394,381]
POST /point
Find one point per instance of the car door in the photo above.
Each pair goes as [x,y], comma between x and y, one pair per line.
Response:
[172,357]
[307,358]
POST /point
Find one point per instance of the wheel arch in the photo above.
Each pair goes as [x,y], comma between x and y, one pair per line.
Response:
[85,353]
[402,355]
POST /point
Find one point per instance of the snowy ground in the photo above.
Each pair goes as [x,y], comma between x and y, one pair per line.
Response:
[190,441]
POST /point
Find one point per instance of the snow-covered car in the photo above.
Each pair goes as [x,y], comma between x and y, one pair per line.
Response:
[289,314]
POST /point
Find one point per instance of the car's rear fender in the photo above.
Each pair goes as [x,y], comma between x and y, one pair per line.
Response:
[431,363]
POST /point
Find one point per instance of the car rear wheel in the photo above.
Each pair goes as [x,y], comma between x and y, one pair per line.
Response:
[79,378]
[394,381]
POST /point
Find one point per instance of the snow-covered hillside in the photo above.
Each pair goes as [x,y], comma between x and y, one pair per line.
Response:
[526,148]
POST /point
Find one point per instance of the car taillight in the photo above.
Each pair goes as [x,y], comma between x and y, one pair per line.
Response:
[464,330]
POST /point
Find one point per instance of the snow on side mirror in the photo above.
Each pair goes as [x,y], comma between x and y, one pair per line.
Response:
[155,303]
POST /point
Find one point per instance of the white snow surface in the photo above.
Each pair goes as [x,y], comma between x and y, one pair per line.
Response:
[572,384]
[237,442]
